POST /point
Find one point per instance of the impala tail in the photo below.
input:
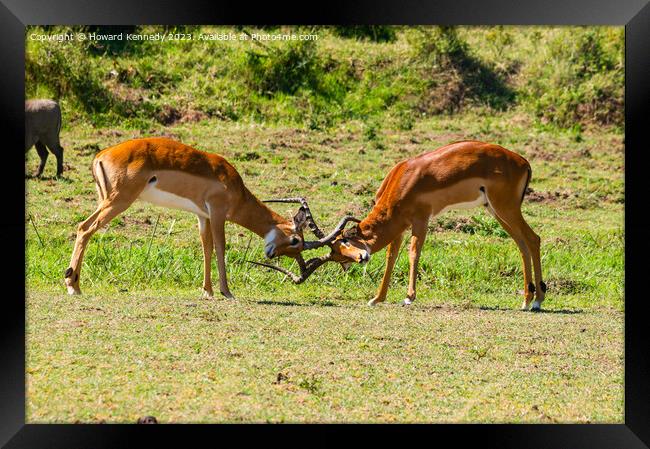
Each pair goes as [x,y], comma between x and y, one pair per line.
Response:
[99,175]
[530,174]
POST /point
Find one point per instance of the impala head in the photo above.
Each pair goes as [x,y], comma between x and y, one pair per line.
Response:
[350,246]
[286,239]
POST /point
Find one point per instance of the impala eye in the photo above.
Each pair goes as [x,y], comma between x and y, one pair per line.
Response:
[294,241]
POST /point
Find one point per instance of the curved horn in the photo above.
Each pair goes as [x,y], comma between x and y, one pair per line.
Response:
[306,268]
[303,203]
[332,235]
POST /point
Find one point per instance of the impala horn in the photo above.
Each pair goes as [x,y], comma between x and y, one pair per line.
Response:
[327,239]
[306,268]
[309,219]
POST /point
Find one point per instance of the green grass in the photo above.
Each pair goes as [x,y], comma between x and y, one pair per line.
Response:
[140,341]
[114,358]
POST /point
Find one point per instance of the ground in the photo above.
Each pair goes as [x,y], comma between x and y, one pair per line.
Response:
[184,360]
[140,341]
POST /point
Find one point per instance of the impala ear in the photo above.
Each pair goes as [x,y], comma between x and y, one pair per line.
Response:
[300,219]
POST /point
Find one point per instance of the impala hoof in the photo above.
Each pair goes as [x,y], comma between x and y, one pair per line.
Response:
[536,307]
[373,302]
[228,295]
[524,305]
[407,302]
[207,295]
[72,290]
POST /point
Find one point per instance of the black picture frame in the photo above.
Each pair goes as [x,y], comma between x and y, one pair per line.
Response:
[634,14]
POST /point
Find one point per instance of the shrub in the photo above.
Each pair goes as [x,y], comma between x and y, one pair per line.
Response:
[456,77]
[63,68]
[112,47]
[285,68]
[438,45]
[578,78]
[375,33]
[498,38]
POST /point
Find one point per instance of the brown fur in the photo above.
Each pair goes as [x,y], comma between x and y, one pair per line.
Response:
[421,187]
[207,180]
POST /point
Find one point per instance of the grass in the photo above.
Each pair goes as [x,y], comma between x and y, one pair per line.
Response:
[140,341]
[117,358]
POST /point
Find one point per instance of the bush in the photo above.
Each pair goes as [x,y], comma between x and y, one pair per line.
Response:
[375,33]
[285,68]
[498,38]
[438,45]
[63,69]
[111,47]
[578,78]
[456,77]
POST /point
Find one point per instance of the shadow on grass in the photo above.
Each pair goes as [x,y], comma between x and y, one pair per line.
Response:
[48,178]
[507,309]
[297,304]
[562,311]
[419,307]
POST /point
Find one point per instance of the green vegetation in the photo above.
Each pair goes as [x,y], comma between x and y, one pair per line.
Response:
[140,341]
[565,76]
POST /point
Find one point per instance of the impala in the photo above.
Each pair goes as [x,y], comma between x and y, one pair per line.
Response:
[461,175]
[169,174]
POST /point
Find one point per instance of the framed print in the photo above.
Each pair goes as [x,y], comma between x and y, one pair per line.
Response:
[370,214]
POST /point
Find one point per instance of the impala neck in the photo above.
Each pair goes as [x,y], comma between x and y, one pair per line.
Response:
[382,226]
[254,215]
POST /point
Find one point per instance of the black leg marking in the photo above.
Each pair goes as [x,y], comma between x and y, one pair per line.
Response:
[482,189]
[531,287]
[153,179]
[76,277]
[542,286]
[147,420]
[68,272]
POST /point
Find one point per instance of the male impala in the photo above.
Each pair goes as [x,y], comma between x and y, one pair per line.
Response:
[170,174]
[457,176]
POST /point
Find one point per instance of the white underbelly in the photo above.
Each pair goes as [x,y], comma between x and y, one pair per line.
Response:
[166,199]
[480,201]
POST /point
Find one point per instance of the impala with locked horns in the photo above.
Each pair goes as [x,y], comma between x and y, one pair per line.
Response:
[461,175]
[173,175]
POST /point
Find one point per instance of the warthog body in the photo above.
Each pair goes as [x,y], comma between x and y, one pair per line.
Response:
[42,127]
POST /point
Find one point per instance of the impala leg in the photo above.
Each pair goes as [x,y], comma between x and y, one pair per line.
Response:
[101,217]
[508,221]
[417,240]
[217,226]
[391,257]
[207,243]
[534,243]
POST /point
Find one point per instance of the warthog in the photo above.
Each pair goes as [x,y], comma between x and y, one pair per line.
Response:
[42,127]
